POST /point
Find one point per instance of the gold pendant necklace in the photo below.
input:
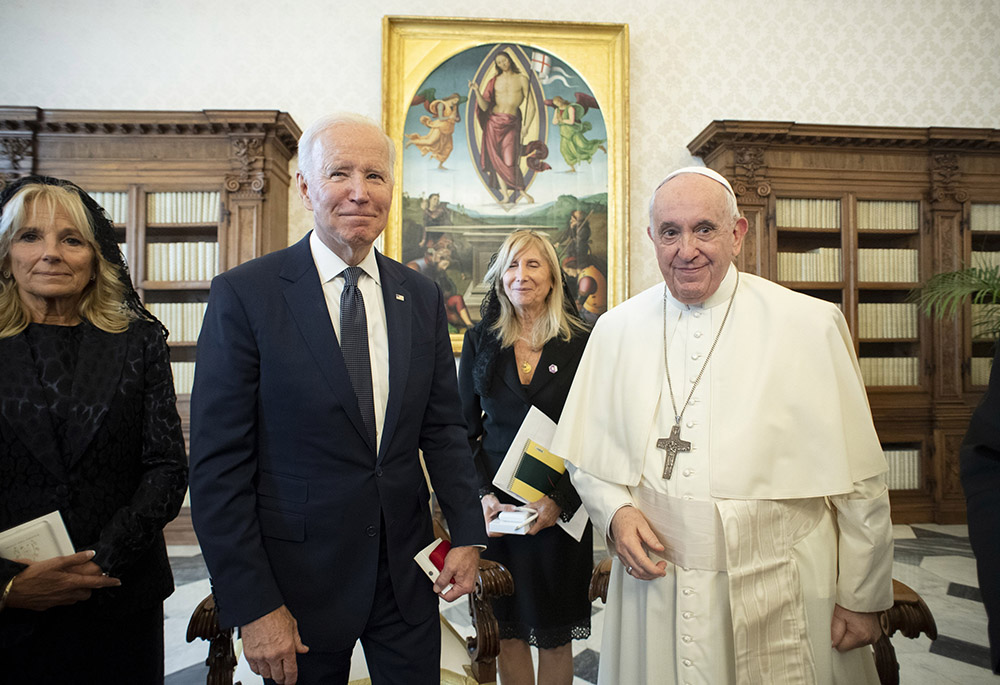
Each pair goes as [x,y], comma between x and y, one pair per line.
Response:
[526,367]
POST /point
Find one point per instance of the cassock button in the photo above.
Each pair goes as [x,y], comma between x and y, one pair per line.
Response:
[371,530]
[690,424]
[686,638]
[688,591]
[687,662]
[688,472]
[697,315]
[695,356]
[687,614]
[697,334]
[378,471]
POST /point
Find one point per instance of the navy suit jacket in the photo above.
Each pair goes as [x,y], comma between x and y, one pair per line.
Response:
[980,471]
[287,493]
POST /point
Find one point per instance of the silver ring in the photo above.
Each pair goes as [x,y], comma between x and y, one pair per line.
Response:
[629,570]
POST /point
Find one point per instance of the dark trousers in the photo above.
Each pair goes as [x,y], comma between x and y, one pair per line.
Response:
[397,653]
[78,650]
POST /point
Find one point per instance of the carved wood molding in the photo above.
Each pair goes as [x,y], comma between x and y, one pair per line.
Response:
[246,123]
[736,132]
[946,176]
[750,175]
[248,155]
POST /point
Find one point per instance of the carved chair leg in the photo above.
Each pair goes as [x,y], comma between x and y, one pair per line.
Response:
[494,581]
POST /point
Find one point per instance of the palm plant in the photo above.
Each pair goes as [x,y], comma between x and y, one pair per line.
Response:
[943,294]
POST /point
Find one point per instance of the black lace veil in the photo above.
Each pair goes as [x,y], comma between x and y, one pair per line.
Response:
[104,234]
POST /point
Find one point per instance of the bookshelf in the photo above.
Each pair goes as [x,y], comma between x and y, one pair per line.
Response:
[190,193]
[860,216]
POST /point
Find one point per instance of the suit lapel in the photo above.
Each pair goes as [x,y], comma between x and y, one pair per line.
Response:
[398,322]
[542,376]
[93,392]
[304,297]
[508,363]
[25,407]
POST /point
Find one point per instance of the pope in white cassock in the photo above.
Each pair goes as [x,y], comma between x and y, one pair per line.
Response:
[719,434]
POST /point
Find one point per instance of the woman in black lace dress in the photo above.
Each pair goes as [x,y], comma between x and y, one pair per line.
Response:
[88,428]
[523,353]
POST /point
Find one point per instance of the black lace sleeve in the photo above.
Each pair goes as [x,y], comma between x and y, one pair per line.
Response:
[565,495]
[134,528]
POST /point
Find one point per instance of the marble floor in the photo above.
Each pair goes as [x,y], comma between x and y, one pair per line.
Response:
[934,560]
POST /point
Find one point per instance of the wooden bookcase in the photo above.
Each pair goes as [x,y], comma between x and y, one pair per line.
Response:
[191,194]
[860,216]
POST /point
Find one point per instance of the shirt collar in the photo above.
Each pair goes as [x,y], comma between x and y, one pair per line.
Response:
[330,265]
[720,296]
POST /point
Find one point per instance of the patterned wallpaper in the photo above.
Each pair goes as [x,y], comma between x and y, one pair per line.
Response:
[882,62]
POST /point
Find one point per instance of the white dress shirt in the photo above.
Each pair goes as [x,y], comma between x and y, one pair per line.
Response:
[331,267]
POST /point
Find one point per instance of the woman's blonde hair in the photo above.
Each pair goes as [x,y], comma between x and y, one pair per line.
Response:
[557,321]
[102,303]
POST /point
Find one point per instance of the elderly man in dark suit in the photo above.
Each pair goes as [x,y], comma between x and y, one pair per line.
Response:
[322,369]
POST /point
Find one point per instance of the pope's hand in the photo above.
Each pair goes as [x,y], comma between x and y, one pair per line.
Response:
[851,629]
[271,643]
[461,566]
[632,537]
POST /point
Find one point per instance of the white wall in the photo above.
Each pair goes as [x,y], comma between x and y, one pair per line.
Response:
[873,62]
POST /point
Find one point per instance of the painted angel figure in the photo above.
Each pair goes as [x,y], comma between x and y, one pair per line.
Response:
[573,144]
[441,120]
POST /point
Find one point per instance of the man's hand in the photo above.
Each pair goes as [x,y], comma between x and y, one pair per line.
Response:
[850,629]
[492,507]
[632,536]
[57,581]
[461,566]
[548,514]
[271,643]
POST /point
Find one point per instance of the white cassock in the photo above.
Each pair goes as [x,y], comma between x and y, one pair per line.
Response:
[779,509]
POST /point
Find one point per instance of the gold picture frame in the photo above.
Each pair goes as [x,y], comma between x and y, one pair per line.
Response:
[450,200]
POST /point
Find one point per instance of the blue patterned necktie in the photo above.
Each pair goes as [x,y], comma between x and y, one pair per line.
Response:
[354,345]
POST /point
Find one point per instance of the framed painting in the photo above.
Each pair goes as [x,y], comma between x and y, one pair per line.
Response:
[501,125]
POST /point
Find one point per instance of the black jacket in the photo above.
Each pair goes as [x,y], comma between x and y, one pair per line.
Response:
[124,474]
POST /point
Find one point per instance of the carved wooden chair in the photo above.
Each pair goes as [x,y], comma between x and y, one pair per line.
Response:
[908,614]
[483,647]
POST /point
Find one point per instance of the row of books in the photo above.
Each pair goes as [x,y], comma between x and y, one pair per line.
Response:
[985,217]
[890,320]
[890,370]
[982,259]
[821,264]
[884,265]
[183,377]
[904,469]
[183,207]
[888,215]
[182,261]
[182,319]
[980,370]
[983,318]
[810,213]
[115,204]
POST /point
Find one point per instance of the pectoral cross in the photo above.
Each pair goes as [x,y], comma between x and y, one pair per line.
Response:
[672,445]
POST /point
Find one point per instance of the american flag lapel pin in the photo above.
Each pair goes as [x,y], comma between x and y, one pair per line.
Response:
[399,296]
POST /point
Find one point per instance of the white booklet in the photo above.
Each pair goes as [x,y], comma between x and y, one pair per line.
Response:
[42,538]
[528,456]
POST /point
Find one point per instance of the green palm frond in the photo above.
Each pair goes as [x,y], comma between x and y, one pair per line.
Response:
[944,293]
